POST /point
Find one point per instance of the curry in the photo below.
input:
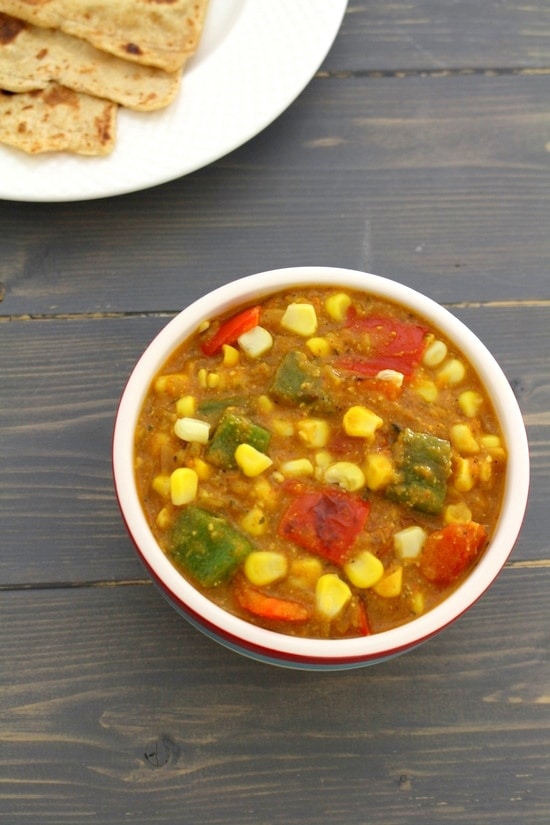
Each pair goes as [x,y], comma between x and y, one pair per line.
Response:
[322,463]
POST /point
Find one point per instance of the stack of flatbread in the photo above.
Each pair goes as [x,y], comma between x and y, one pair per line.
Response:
[67,65]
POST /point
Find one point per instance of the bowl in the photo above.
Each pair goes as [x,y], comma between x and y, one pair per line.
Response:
[277,648]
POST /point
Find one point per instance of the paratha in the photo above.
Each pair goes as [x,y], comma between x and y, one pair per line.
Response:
[57,119]
[31,57]
[162,33]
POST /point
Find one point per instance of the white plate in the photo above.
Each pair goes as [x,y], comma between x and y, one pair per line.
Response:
[255,58]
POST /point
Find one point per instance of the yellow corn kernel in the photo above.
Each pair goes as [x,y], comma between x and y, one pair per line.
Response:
[202,376]
[186,406]
[254,522]
[158,441]
[391,377]
[192,429]
[251,461]
[493,445]
[256,342]
[263,491]
[347,475]
[361,422]
[202,468]
[263,567]
[318,346]
[391,584]
[486,469]
[212,380]
[470,403]
[173,385]
[301,319]
[183,486]
[281,426]
[161,485]
[337,305]
[203,326]
[378,471]
[230,355]
[265,404]
[463,477]
[314,432]
[365,570]
[451,373]
[435,353]
[297,467]
[163,519]
[408,543]
[458,513]
[417,603]
[331,595]
[304,572]
[426,389]
[463,439]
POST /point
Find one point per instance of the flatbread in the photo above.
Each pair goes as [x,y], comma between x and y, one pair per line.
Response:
[32,57]
[57,119]
[162,33]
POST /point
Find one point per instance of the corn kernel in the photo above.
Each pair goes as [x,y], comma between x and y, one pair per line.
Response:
[486,469]
[451,373]
[463,477]
[254,522]
[158,442]
[186,406]
[463,440]
[263,567]
[458,513]
[262,491]
[331,595]
[265,404]
[173,385]
[314,432]
[365,570]
[304,572]
[319,347]
[161,485]
[361,422]
[192,429]
[202,468]
[493,445]
[390,585]
[256,341]
[470,403]
[378,471]
[281,426]
[212,380]
[183,486]
[391,377]
[202,376]
[163,519]
[337,305]
[408,543]
[347,475]
[251,461]
[417,603]
[435,353]
[426,389]
[297,467]
[301,319]
[230,355]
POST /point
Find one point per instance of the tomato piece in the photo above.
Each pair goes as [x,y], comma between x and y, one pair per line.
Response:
[325,522]
[269,607]
[231,329]
[449,551]
[394,345]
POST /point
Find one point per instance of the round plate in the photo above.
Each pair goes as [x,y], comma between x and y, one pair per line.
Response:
[255,57]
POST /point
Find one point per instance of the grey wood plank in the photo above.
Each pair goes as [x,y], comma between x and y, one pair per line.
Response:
[114,708]
[60,381]
[378,35]
[421,179]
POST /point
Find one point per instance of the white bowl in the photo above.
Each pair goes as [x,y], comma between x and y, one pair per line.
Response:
[266,645]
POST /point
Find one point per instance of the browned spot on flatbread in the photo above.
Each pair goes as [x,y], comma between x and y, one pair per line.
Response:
[9,28]
[60,95]
[131,48]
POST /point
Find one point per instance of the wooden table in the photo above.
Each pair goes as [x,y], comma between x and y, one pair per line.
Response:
[420,151]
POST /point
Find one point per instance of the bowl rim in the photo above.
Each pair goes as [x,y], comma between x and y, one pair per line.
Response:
[238,633]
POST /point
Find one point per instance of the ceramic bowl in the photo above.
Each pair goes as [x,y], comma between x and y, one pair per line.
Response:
[276,648]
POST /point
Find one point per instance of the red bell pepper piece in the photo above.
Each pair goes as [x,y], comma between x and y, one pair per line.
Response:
[230,330]
[394,344]
[325,522]
[447,552]
[269,607]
